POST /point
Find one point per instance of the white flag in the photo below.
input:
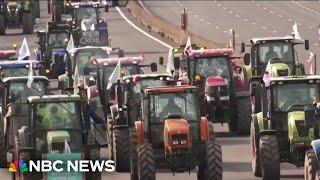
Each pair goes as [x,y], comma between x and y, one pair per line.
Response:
[30,75]
[70,45]
[311,62]
[170,62]
[76,81]
[266,79]
[66,147]
[296,32]
[24,50]
[268,67]
[188,48]
[115,76]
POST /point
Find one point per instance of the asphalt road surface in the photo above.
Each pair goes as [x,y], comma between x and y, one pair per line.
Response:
[236,150]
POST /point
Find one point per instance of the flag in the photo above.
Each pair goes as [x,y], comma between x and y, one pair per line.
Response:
[70,45]
[24,50]
[66,147]
[170,62]
[266,79]
[188,48]
[30,75]
[296,32]
[311,62]
[76,81]
[268,67]
[115,75]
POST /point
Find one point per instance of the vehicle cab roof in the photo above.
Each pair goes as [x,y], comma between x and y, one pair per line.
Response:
[123,61]
[25,78]
[53,98]
[203,53]
[170,89]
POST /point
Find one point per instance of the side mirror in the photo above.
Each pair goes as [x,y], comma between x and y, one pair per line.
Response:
[246,59]
[161,61]
[106,8]
[253,89]
[243,47]
[176,62]
[306,45]
[154,67]
[120,53]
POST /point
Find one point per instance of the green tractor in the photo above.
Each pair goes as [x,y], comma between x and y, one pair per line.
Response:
[14,13]
[287,123]
[54,131]
[14,94]
[276,50]
[175,137]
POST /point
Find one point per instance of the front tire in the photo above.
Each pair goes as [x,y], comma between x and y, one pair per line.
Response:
[243,115]
[2,25]
[255,153]
[121,149]
[269,155]
[311,166]
[146,163]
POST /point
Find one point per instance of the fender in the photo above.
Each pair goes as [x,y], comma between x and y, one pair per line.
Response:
[204,130]
[247,73]
[140,132]
[261,124]
[316,148]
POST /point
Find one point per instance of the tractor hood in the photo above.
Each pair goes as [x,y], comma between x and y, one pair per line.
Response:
[214,81]
[300,126]
[57,137]
[278,69]
[176,135]
[216,87]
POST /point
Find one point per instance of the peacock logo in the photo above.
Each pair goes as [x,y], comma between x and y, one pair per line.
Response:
[16,164]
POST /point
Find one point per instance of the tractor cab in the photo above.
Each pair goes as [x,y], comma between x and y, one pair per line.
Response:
[288,118]
[7,54]
[89,28]
[267,49]
[18,68]
[55,131]
[172,132]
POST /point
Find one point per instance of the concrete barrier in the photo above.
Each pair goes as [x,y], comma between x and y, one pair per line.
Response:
[166,29]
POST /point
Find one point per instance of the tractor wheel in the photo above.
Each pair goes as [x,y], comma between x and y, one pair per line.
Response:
[27,23]
[121,149]
[243,115]
[146,163]
[212,136]
[3,151]
[36,9]
[2,25]
[255,153]
[109,129]
[94,155]
[212,169]
[133,154]
[311,166]
[269,156]
[23,156]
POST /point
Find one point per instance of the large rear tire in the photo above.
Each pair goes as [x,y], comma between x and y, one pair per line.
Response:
[311,166]
[243,115]
[121,149]
[146,163]
[27,23]
[2,25]
[269,156]
[255,153]
[212,168]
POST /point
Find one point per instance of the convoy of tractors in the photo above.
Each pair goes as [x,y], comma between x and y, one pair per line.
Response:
[151,121]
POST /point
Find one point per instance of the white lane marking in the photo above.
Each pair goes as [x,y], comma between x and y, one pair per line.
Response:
[310,27]
[265,8]
[315,44]
[196,15]
[226,31]
[246,20]
[275,31]
[209,23]
[253,23]
[258,4]
[280,15]
[271,12]
[230,12]
[217,27]
[237,15]
[263,27]
[142,31]
[201,20]
[289,19]
[219,4]
[224,8]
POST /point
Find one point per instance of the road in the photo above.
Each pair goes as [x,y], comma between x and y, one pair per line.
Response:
[213,19]
[236,150]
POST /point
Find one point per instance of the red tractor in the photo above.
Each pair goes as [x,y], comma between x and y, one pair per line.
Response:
[222,90]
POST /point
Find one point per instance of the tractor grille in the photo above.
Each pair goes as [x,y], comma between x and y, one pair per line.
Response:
[303,129]
[179,138]
[283,72]
[223,90]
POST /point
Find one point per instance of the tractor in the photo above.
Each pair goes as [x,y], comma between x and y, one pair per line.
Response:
[52,49]
[54,131]
[171,134]
[14,13]
[88,27]
[273,49]
[126,98]
[14,94]
[7,54]
[287,123]
[221,87]
[17,68]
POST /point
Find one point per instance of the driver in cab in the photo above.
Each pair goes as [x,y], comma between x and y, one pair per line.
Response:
[54,118]
[291,97]
[171,109]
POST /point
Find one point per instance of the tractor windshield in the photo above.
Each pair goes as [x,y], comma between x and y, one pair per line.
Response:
[86,13]
[17,72]
[57,40]
[182,105]
[57,124]
[82,57]
[213,66]
[270,50]
[19,91]
[126,70]
[287,95]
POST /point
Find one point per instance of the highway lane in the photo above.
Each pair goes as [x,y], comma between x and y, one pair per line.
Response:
[236,150]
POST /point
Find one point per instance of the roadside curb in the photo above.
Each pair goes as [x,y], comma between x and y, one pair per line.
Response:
[166,29]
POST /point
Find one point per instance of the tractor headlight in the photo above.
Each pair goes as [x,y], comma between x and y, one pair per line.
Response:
[183,142]
[175,142]
[179,139]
